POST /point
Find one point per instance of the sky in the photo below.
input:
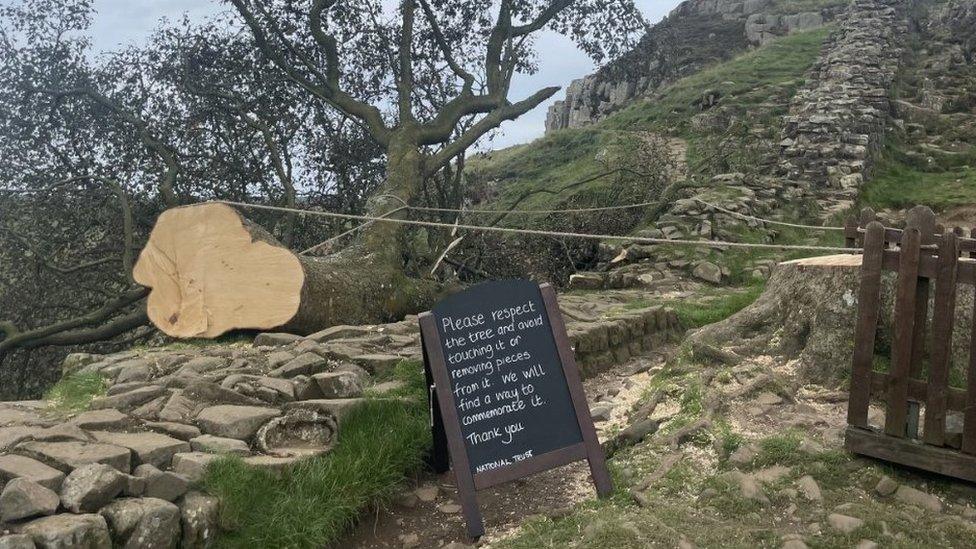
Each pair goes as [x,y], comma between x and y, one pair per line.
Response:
[123,22]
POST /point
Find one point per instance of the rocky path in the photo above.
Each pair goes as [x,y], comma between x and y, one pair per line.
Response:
[121,470]
[427,514]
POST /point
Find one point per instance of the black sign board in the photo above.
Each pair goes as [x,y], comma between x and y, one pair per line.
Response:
[506,395]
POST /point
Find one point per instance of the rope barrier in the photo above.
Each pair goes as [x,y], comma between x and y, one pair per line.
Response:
[349,232]
[612,208]
[536,232]
[770,221]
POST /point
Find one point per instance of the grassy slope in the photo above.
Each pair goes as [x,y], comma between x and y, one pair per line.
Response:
[553,164]
[316,502]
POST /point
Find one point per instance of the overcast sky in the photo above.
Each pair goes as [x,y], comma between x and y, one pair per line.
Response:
[128,21]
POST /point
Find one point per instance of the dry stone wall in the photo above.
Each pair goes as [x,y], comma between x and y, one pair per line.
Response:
[837,122]
[696,34]
[121,473]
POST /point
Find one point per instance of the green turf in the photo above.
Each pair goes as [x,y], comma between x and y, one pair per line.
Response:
[317,501]
[75,392]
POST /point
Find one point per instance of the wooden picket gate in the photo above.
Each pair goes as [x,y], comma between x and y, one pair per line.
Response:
[924,256]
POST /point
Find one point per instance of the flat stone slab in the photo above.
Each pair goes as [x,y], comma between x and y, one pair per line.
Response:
[219,445]
[338,407]
[12,436]
[377,364]
[152,448]
[68,456]
[69,531]
[14,466]
[340,332]
[23,498]
[305,364]
[193,465]
[240,422]
[181,431]
[17,414]
[339,384]
[129,400]
[275,339]
[108,419]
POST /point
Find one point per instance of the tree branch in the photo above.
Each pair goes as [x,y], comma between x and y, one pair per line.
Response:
[56,332]
[166,153]
[369,115]
[489,122]
[463,74]
[547,15]
[405,55]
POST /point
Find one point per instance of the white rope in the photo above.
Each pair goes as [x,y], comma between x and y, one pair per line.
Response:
[536,232]
[611,208]
[349,232]
[770,221]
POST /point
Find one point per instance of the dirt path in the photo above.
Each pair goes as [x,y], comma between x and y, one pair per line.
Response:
[428,515]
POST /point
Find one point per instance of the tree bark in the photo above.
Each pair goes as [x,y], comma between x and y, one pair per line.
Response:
[212,271]
[808,312]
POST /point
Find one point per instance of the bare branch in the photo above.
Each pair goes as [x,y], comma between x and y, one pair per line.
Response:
[463,74]
[489,122]
[56,332]
[547,15]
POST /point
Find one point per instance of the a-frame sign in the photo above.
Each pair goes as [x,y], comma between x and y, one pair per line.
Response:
[506,396]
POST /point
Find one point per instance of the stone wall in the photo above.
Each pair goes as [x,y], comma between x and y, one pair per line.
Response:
[837,122]
[696,34]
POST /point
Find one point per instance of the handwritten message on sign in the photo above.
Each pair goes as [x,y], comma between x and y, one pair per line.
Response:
[508,384]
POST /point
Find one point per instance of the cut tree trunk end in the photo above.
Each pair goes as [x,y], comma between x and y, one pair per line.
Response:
[211,271]
[808,312]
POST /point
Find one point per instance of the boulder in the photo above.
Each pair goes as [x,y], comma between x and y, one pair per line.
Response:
[910,495]
[153,448]
[809,488]
[144,523]
[377,364]
[708,271]
[22,498]
[181,431]
[211,393]
[305,364]
[219,445]
[165,485]
[338,407]
[844,523]
[67,456]
[14,466]
[67,531]
[193,465]
[12,436]
[339,384]
[179,409]
[203,364]
[130,400]
[240,422]
[91,487]
[200,516]
[108,419]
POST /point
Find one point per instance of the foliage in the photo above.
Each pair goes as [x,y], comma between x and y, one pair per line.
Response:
[75,392]
[314,503]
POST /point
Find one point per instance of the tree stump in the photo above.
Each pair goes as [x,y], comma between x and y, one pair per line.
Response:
[808,312]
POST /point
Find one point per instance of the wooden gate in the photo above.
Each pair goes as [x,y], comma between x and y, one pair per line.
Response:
[926,258]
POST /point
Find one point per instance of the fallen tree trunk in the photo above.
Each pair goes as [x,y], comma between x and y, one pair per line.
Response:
[808,312]
[211,270]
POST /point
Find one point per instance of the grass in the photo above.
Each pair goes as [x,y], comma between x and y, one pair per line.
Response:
[317,501]
[74,393]
[550,169]
[715,306]
[897,185]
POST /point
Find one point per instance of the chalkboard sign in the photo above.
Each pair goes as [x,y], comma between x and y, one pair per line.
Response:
[506,398]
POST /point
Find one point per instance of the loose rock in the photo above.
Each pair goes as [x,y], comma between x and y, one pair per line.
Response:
[22,498]
[91,487]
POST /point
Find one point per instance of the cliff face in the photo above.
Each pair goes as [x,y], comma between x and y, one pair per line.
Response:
[697,33]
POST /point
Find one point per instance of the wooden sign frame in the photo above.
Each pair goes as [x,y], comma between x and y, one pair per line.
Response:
[447,426]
